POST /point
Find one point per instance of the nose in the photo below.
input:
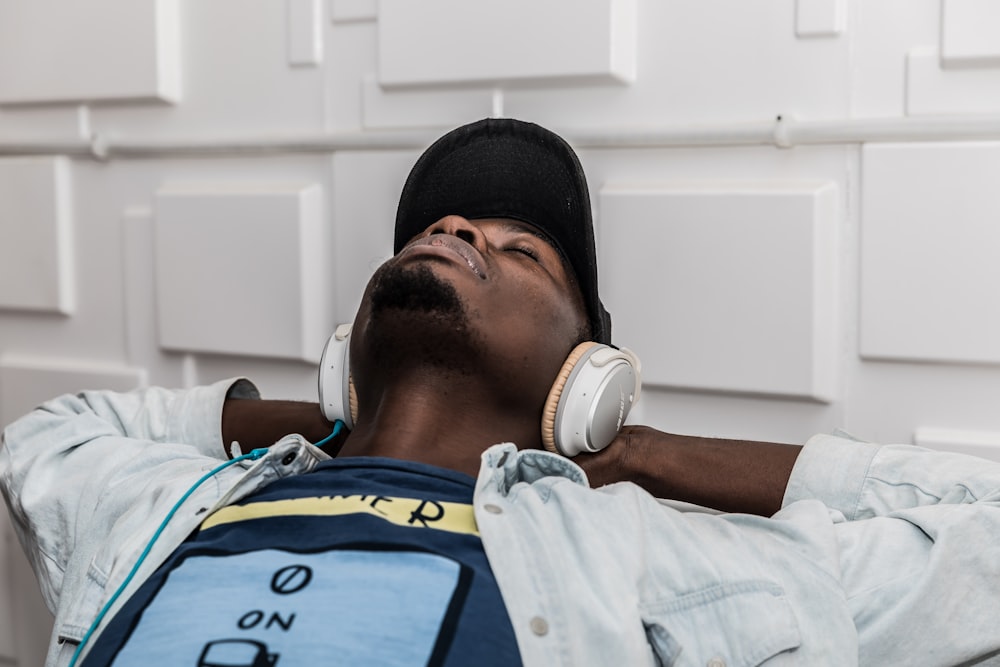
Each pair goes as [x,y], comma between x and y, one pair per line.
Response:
[456,225]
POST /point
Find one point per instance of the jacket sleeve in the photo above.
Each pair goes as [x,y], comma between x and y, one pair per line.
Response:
[863,480]
[61,461]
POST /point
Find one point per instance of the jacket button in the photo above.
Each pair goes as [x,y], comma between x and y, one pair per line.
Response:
[539,626]
[289,457]
[493,509]
[716,662]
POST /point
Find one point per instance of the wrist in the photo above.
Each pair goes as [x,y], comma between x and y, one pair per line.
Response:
[648,460]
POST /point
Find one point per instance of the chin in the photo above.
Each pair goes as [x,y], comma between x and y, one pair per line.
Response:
[417,317]
[416,288]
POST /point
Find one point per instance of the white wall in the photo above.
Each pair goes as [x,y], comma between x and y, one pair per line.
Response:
[844,279]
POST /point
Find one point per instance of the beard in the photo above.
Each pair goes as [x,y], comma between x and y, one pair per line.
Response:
[417,317]
[417,289]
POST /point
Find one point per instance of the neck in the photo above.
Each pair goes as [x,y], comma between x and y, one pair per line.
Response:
[440,419]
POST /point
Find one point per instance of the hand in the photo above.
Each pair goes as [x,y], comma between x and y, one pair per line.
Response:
[614,462]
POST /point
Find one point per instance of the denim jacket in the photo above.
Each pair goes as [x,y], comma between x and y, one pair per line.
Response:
[881,555]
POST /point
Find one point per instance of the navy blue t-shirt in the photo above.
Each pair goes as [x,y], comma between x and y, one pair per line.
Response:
[364,561]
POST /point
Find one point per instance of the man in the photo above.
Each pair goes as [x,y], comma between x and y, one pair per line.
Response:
[426,542]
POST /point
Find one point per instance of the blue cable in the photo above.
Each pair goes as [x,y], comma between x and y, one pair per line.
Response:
[255,454]
[338,426]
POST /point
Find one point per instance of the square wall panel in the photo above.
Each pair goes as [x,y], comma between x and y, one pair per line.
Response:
[239,269]
[970,33]
[56,51]
[27,383]
[929,240]
[36,247]
[725,287]
[932,89]
[436,42]
[819,18]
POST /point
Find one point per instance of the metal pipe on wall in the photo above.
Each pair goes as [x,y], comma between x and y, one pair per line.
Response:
[782,132]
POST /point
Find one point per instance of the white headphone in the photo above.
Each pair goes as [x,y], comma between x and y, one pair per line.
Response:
[586,407]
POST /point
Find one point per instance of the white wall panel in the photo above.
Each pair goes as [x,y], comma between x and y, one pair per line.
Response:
[237,80]
[970,33]
[8,613]
[496,42]
[985,444]
[36,260]
[879,43]
[929,240]
[385,108]
[347,11]
[890,399]
[930,89]
[54,51]
[366,189]
[305,34]
[725,287]
[139,295]
[50,123]
[238,269]
[819,18]
[352,57]
[706,62]
[27,382]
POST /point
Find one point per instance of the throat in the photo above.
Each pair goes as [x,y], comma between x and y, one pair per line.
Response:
[448,427]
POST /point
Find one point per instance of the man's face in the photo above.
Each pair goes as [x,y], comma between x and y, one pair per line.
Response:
[475,296]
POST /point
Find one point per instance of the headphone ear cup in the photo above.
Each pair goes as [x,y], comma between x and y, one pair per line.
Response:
[555,394]
[590,399]
[337,396]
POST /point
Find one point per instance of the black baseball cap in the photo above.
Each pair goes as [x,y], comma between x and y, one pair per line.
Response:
[507,168]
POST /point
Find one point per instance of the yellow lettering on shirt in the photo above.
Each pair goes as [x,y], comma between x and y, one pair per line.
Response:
[411,512]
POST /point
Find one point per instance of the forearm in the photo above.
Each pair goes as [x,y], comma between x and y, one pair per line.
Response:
[258,423]
[729,475]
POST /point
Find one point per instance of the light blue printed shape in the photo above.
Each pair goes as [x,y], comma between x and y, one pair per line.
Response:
[275,608]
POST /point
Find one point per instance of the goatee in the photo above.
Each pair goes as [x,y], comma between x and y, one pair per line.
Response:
[414,289]
[415,315]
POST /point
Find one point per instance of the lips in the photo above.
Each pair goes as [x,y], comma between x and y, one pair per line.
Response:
[468,253]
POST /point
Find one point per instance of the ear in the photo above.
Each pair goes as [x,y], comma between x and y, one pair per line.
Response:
[590,399]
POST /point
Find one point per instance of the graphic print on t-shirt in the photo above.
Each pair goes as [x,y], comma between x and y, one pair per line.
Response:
[272,607]
[362,561]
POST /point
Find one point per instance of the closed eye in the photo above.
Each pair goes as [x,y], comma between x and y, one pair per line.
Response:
[524,250]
